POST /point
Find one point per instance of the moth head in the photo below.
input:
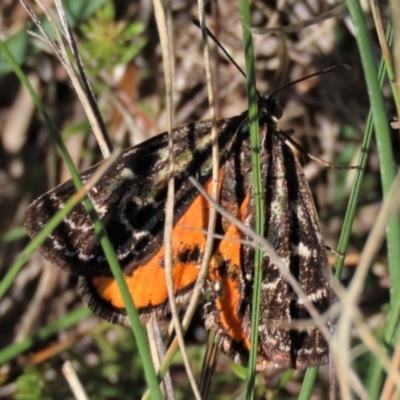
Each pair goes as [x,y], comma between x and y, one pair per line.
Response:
[272,107]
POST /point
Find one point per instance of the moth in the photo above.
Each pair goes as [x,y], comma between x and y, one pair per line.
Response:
[130,200]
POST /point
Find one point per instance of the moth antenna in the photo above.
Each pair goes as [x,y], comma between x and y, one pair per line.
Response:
[217,42]
[322,72]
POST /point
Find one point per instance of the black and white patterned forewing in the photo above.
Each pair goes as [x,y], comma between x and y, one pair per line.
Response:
[130,201]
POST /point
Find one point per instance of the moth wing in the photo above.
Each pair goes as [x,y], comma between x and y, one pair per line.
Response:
[302,249]
[130,201]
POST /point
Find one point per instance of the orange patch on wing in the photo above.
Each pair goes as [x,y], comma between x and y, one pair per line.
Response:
[229,251]
[147,284]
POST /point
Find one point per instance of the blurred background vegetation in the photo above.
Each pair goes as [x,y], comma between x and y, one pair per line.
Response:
[118,42]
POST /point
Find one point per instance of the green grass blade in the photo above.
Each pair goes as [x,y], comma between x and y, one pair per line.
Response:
[355,193]
[14,270]
[382,131]
[106,245]
[379,120]
[257,182]
[308,383]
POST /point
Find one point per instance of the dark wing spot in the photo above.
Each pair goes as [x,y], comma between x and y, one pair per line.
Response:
[189,255]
